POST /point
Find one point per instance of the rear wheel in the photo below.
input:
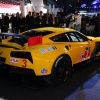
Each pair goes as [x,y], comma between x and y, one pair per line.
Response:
[61,69]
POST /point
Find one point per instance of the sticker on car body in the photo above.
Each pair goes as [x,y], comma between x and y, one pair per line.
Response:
[14,60]
[44,71]
[48,49]
[86,54]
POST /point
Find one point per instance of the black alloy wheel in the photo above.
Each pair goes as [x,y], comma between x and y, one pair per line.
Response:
[61,69]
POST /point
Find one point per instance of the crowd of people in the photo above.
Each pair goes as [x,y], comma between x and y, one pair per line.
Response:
[32,20]
[89,25]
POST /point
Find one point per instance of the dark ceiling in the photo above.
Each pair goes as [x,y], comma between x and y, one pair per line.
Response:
[61,3]
[74,3]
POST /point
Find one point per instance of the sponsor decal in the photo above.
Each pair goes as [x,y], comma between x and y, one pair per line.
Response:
[82,56]
[86,54]
[44,71]
[14,60]
[49,49]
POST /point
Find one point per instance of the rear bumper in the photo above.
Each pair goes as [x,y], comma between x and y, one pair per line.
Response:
[17,70]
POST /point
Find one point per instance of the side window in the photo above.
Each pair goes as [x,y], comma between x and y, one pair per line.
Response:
[73,37]
[60,38]
[81,37]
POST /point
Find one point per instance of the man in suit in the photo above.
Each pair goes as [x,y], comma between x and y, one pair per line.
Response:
[53,21]
[7,21]
[47,19]
[17,23]
[4,25]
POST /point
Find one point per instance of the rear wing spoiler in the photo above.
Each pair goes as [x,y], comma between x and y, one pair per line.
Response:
[31,40]
[13,35]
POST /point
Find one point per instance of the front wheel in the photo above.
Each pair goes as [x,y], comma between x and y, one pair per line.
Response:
[61,69]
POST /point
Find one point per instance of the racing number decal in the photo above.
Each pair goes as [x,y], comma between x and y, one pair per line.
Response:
[87,53]
[24,63]
[84,55]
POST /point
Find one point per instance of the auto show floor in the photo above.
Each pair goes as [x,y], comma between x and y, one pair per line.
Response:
[84,84]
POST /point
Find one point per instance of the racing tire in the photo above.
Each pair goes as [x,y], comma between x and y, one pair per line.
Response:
[61,69]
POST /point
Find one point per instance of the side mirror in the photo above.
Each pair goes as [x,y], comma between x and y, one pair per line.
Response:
[89,40]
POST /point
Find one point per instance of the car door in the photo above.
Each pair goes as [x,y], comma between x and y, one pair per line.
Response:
[80,47]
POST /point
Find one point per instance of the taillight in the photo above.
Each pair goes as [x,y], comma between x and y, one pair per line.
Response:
[25,55]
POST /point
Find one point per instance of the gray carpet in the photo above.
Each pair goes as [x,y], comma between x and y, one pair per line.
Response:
[90,90]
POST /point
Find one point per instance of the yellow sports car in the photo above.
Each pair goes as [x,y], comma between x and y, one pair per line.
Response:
[47,51]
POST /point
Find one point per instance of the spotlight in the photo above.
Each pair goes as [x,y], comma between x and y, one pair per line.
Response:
[95,2]
[83,5]
[95,6]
